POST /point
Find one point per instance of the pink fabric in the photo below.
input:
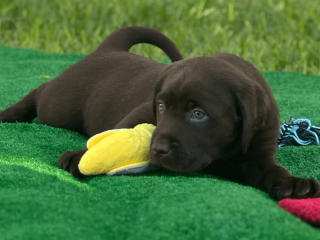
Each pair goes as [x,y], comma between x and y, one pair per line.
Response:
[306,209]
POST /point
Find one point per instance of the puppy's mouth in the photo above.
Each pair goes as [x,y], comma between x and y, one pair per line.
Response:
[179,164]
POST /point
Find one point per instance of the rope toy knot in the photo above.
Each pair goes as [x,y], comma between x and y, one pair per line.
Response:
[298,132]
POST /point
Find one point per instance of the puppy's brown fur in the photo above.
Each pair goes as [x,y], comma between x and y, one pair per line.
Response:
[214,113]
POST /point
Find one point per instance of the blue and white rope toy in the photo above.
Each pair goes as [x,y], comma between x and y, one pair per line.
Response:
[298,132]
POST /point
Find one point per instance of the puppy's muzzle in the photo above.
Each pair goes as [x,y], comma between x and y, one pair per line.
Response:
[161,148]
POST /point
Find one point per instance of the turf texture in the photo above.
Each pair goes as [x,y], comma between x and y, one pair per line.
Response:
[40,201]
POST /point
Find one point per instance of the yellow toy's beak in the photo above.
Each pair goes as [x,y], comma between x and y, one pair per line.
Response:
[119,151]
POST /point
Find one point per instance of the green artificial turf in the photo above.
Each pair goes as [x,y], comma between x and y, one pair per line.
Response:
[40,201]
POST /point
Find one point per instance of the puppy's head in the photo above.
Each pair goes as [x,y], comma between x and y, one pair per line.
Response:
[201,115]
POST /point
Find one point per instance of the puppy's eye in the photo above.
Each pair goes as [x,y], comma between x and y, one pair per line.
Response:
[199,115]
[161,107]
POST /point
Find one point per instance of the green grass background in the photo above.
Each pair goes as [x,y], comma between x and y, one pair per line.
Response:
[273,34]
[39,201]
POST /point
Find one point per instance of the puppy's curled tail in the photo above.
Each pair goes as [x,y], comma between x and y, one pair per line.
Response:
[124,38]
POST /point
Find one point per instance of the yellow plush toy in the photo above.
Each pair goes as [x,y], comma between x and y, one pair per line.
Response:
[119,151]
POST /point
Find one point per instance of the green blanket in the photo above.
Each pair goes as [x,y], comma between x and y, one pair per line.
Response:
[40,201]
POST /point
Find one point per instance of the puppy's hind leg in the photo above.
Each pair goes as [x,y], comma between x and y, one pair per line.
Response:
[23,111]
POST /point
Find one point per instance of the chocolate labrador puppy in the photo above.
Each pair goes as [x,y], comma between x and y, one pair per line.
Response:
[213,113]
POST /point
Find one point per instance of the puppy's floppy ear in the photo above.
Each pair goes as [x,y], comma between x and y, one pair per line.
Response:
[154,108]
[254,107]
[157,89]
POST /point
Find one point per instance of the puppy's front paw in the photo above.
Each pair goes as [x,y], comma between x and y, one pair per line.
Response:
[294,187]
[69,161]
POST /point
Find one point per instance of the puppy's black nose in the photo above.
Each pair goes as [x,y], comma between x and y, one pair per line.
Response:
[162,148]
